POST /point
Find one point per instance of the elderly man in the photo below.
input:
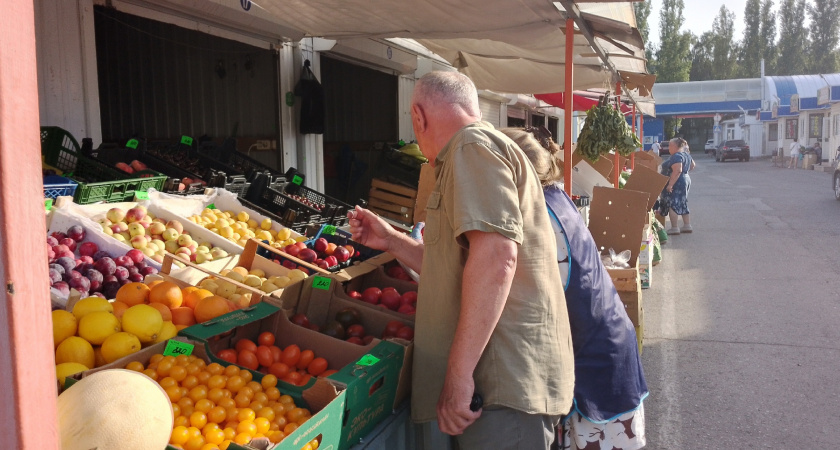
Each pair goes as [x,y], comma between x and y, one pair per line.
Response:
[491,316]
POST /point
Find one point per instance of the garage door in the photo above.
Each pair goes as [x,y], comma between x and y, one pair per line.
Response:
[491,111]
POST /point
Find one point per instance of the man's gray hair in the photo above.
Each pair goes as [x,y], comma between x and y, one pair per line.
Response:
[447,87]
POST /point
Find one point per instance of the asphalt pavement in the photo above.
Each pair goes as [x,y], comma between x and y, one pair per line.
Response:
[742,321]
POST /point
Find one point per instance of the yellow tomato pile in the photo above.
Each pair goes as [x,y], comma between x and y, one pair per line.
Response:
[215,405]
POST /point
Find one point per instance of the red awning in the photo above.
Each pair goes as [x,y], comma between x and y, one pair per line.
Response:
[580,101]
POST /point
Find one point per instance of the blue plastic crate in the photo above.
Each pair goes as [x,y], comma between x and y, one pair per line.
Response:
[56,186]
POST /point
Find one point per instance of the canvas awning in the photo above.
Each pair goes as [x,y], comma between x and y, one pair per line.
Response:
[502,46]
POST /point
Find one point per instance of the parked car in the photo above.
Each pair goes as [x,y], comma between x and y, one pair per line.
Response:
[710,146]
[836,180]
[734,149]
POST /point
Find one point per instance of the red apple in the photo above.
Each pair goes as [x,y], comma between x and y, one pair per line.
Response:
[292,250]
[367,339]
[322,264]
[320,245]
[371,295]
[395,271]
[289,264]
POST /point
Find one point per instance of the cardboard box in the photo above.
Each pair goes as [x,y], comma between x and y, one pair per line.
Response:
[369,374]
[644,179]
[646,249]
[640,337]
[645,275]
[632,300]
[648,159]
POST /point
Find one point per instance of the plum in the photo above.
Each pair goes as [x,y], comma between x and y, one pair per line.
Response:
[62,287]
[73,275]
[136,255]
[52,241]
[148,270]
[58,267]
[84,268]
[109,278]
[88,249]
[68,263]
[80,284]
[65,254]
[106,265]
[50,254]
[121,273]
[124,261]
[100,254]
[94,275]
[140,265]
[86,259]
[77,233]
[58,235]
[70,243]
[99,294]
[110,288]
[55,275]
[136,278]
[132,270]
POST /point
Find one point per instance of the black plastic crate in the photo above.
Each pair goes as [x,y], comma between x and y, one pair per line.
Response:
[396,167]
[334,210]
[111,154]
[289,209]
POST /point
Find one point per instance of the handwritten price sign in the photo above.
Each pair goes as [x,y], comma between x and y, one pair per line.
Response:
[177,348]
[321,283]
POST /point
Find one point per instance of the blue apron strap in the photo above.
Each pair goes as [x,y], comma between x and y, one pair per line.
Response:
[568,247]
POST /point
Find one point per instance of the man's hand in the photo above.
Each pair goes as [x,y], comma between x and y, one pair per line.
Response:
[453,408]
[369,229]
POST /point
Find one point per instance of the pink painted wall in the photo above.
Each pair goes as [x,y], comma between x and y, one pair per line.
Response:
[28,397]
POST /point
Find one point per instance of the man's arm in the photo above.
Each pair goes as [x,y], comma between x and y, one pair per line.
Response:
[488,274]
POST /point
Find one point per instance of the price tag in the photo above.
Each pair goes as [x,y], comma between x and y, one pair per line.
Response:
[48,202]
[329,229]
[186,140]
[290,99]
[367,360]
[132,143]
[211,206]
[141,195]
[297,180]
[321,283]
[176,348]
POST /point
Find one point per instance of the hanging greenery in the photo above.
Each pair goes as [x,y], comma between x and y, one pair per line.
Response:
[606,129]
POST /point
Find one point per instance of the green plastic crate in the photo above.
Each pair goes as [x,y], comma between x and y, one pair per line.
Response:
[97,181]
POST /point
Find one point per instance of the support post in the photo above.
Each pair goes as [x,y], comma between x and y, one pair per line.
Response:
[567,101]
[642,130]
[617,163]
[28,400]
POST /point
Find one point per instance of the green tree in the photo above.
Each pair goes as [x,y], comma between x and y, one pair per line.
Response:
[701,57]
[673,58]
[724,53]
[824,30]
[768,37]
[642,10]
[793,38]
[749,65]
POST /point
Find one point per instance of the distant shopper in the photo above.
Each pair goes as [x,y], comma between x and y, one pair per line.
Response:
[675,194]
[610,384]
[655,148]
[795,148]
[818,152]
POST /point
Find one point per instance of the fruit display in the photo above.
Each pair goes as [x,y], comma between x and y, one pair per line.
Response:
[114,409]
[388,297]
[347,326]
[81,265]
[257,279]
[214,405]
[239,227]
[154,237]
[291,364]
[325,255]
[97,332]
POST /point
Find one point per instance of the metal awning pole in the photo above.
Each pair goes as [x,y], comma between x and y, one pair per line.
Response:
[567,101]
[617,165]
[633,155]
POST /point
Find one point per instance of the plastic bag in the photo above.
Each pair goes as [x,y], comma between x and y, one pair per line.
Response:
[616,260]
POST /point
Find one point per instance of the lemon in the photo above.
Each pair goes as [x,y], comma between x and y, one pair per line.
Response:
[142,321]
[265,224]
[98,325]
[253,281]
[284,234]
[243,216]
[64,325]
[119,345]
[91,304]
[258,272]
[64,370]
[167,331]
[75,349]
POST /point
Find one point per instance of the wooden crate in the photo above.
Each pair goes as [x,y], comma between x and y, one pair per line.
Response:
[392,201]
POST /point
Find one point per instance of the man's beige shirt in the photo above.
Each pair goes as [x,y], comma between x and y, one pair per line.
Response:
[485,182]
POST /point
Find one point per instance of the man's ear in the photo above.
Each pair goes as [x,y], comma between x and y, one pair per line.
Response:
[418,117]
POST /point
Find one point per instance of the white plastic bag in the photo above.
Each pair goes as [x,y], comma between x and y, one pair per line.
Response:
[616,260]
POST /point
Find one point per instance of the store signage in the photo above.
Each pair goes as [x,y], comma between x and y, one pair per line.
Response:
[794,103]
[823,95]
[177,348]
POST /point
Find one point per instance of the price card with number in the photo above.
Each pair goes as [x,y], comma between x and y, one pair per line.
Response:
[132,143]
[176,348]
[367,360]
[297,179]
[211,206]
[321,283]
[48,204]
[141,195]
[329,229]
[186,140]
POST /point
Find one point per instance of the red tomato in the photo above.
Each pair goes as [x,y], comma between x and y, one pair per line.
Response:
[367,340]
[406,333]
[276,353]
[306,357]
[392,328]
[264,356]
[279,370]
[291,355]
[317,366]
[266,339]
[355,340]
[248,359]
[246,344]
[300,319]
[228,355]
[356,331]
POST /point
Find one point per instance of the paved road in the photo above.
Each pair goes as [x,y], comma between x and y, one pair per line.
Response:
[742,339]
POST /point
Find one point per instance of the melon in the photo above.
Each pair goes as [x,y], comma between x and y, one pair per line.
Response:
[114,409]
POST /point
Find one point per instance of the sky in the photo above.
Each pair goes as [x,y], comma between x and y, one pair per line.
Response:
[699,16]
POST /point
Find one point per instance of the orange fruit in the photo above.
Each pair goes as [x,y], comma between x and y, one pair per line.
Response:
[210,308]
[133,294]
[165,312]
[167,293]
[187,289]
[191,298]
[119,308]
[153,283]
[182,316]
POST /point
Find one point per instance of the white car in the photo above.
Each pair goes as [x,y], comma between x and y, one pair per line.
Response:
[710,146]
